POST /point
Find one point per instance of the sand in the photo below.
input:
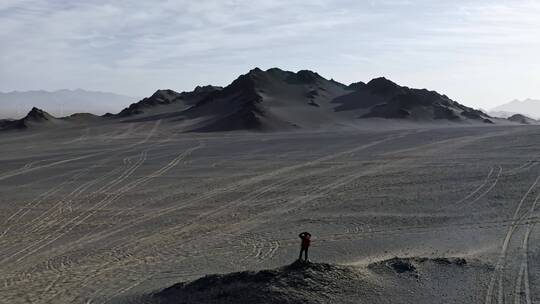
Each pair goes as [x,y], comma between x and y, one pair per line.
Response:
[116,212]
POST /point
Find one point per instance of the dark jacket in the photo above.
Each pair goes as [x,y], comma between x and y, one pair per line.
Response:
[306,239]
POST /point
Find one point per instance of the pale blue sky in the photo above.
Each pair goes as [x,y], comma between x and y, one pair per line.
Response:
[481,53]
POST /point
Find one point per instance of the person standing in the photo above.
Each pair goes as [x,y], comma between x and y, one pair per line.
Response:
[304,246]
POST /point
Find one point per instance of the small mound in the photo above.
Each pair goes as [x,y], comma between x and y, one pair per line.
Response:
[407,264]
[396,280]
[412,265]
[522,119]
[300,282]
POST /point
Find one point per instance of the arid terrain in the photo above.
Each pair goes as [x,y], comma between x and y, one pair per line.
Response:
[113,212]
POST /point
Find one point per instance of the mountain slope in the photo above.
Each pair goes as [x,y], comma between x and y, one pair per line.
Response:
[179,101]
[282,100]
[277,99]
[61,102]
[389,100]
[34,118]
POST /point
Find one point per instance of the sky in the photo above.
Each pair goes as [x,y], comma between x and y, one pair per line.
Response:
[480,53]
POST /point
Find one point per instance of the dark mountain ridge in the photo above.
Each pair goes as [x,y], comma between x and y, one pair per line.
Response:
[280,100]
[167,97]
[275,99]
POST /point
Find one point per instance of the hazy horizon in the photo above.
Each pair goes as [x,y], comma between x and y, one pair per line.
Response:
[482,54]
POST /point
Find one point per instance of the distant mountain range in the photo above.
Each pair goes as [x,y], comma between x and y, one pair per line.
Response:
[527,107]
[61,103]
[282,100]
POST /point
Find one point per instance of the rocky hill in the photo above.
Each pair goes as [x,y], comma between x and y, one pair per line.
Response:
[277,99]
[282,100]
[34,117]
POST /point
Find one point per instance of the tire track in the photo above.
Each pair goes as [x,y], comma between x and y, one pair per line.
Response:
[257,250]
[227,206]
[122,177]
[244,183]
[48,218]
[84,171]
[489,189]
[60,231]
[523,275]
[477,189]
[526,166]
[240,203]
[500,265]
[21,212]
[336,185]
[65,161]
[257,179]
[78,220]
[155,174]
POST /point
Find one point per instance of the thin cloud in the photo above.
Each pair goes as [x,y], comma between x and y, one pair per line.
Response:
[134,47]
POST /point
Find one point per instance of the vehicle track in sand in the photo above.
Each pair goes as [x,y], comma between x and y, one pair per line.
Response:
[84,171]
[249,182]
[22,211]
[525,166]
[498,274]
[257,251]
[239,205]
[144,179]
[523,273]
[330,188]
[83,187]
[347,179]
[50,217]
[109,198]
[57,233]
[321,191]
[82,157]
[124,251]
[488,190]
